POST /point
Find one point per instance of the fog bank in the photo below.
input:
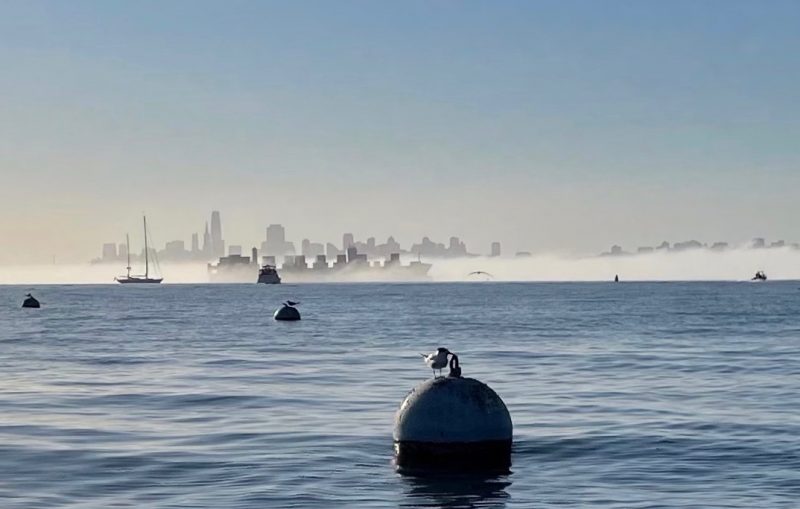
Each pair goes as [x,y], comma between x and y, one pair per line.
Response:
[94,274]
[694,265]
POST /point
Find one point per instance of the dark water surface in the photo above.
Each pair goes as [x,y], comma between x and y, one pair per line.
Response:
[629,395]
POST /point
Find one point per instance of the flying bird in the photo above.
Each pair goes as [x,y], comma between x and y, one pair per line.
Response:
[437,360]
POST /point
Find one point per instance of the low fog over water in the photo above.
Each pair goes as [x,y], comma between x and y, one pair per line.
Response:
[700,265]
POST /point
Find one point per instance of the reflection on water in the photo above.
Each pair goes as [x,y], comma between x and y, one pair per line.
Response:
[455,491]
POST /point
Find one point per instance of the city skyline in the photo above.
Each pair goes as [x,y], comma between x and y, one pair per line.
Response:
[549,126]
[276,245]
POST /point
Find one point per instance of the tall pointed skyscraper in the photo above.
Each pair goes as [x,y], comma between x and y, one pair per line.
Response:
[208,250]
[218,245]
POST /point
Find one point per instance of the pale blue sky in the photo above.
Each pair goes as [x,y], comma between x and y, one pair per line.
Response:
[563,125]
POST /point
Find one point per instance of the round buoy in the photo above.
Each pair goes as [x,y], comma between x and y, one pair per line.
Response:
[30,302]
[287,313]
[455,423]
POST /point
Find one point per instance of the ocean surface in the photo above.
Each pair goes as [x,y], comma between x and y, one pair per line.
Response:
[627,395]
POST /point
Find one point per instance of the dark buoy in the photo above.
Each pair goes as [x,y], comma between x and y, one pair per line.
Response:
[30,302]
[616,278]
[288,312]
[454,424]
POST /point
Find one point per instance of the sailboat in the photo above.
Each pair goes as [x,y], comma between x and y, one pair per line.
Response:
[139,279]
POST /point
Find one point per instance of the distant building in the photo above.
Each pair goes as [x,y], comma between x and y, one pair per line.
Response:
[615,251]
[523,254]
[778,243]
[332,251]
[109,252]
[235,250]
[457,248]
[686,245]
[427,247]
[758,243]
[217,244]
[495,249]
[195,244]
[391,246]
[664,246]
[321,262]
[300,262]
[644,250]
[276,244]
[122,251]
[208,250]
[174,251]
[347,241]
[312,249]
[719,246]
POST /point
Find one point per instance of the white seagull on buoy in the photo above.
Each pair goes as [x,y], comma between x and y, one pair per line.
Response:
[437,360]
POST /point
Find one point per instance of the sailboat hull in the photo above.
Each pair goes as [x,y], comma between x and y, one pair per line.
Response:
[139,280]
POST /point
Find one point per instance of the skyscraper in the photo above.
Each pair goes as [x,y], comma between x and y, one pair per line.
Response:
[276,235]
[109,251]
[195,244]
[495,249]
[347,241]
[217,244]
[207,249]
[276,244]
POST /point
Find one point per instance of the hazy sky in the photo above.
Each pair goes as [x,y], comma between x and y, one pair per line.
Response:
[566,125]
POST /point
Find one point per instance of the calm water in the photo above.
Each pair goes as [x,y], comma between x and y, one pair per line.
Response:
[629,395]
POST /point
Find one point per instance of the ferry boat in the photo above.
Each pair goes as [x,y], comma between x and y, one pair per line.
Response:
[128,279]
[268,275]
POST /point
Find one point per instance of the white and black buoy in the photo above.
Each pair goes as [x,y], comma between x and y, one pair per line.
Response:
[30,302]
[288,312]
[453,423]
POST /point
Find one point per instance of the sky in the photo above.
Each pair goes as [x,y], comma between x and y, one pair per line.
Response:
[551,126]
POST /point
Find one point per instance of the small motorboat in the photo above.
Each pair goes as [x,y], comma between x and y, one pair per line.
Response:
[760,276]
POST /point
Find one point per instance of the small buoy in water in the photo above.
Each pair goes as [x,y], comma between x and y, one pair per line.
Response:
[453,423]
[616,278]
[30,302]
[288,312]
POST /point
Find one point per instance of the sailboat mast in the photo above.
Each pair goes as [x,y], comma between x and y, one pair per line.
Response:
[146,263]
[128,243]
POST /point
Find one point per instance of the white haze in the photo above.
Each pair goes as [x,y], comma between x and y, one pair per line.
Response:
[698,265]
[694,265]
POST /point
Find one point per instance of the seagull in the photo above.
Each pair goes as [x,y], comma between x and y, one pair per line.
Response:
[437,360]
[291,303]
